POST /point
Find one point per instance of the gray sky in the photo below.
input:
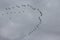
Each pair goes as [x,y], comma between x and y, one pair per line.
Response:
[18,26]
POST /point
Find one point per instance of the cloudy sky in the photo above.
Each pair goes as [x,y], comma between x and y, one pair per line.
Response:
[15,26]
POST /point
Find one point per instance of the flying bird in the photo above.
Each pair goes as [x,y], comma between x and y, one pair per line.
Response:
[40,12]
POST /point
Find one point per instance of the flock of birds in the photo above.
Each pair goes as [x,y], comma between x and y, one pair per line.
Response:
[10,11]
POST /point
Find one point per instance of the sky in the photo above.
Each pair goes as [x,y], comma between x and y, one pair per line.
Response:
[16,23]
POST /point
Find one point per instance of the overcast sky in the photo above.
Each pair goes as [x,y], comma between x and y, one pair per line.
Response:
[19,26]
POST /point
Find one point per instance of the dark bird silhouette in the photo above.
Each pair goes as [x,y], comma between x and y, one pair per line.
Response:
[23,5]
[17,6]
[33,8]
[39,20]
[6,8]
[40,12]
[9,8]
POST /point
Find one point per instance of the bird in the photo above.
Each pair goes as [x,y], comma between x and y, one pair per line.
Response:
[40,12]
[17,6]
